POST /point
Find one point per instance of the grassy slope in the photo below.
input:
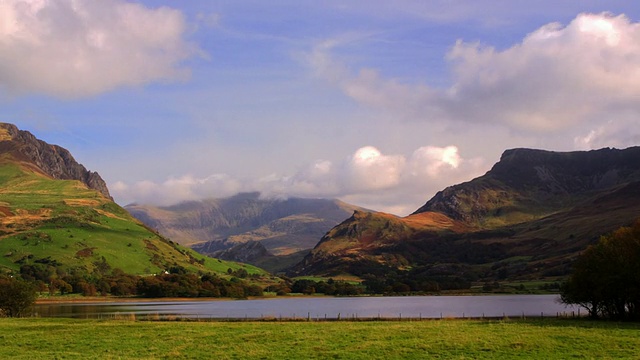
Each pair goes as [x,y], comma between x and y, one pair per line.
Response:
[460,339]
[76,227]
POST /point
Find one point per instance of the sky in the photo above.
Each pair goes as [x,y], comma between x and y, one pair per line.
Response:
[377,103]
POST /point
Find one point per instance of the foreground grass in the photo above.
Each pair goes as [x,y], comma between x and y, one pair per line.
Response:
[460,339]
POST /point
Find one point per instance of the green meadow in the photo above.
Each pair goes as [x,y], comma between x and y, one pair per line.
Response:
[33,338]
[63,223]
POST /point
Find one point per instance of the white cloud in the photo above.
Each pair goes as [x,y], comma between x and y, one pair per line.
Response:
[72,49]
[176,189]
[369,178]
[622,132]
[430,161]
[370,170]
[557,78]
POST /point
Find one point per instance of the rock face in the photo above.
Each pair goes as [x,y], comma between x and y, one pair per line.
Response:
[51,160]
[526,184]
[529,216]
[248,252]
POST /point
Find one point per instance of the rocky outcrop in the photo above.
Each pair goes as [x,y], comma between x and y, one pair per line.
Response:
[536,182]
[52,160]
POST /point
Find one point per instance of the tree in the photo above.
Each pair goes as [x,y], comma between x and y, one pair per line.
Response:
[16,297]
[606,276]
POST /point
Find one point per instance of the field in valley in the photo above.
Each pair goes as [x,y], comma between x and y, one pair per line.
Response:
[34,338]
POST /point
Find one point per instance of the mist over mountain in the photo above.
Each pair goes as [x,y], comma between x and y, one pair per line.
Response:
[246,227]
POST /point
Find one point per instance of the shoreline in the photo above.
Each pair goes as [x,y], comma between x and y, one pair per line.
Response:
[100,299]
[112,299]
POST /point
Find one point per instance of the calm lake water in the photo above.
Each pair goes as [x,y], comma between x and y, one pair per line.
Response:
[326,307]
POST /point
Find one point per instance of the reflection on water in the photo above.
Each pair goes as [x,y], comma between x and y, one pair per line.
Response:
[325,307]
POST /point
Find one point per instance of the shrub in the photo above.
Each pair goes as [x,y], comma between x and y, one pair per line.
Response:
[16,297]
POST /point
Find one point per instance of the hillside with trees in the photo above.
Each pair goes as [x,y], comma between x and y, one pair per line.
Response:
[60,230]
[526,219]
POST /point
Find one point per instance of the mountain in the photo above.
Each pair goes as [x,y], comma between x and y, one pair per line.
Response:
[528,217]
[51,160]
[55,212]
[247,227]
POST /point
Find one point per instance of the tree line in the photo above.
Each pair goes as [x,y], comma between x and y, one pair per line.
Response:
[18,293]
[175,282]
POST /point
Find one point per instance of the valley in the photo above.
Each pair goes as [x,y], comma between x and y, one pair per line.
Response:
[270,233]
[524,221]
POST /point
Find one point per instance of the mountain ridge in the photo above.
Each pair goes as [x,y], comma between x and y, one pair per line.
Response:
[532,213]
[53,160]
[536,181]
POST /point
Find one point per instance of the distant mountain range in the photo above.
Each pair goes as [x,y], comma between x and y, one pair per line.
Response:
[58,216]
[527,218]
[271,233]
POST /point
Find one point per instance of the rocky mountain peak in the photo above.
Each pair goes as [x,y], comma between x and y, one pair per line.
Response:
[52,160]
[532,182]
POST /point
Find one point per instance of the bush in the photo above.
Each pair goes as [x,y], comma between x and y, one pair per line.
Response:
[16,297]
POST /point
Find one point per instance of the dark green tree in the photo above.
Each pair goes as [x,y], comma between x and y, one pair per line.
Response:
[606,276]
[16,297]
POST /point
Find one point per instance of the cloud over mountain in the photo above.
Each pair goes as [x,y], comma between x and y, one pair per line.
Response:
[74,49]
[367,176]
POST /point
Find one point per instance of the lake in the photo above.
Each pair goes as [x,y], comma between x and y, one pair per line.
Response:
[324,307]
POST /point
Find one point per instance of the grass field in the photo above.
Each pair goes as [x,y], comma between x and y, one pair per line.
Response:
[459,339]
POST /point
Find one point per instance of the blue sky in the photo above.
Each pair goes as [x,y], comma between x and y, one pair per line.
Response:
[377,103]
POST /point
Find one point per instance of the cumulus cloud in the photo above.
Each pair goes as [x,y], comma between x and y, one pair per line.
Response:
[558,77]
[72,49]
[370,170]
[394,183]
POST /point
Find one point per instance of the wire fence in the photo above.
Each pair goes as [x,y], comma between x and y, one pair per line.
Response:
[311,317]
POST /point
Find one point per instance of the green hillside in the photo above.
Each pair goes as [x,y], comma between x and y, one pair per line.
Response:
[65,224]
